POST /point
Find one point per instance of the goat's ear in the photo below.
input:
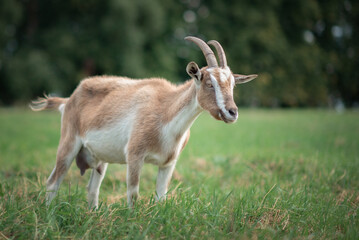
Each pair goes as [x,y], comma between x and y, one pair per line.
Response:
[239,79]
[194,71]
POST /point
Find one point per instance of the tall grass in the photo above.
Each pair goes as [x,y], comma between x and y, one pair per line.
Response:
[273,174]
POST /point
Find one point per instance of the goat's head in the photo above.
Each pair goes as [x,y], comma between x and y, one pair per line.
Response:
[215,83]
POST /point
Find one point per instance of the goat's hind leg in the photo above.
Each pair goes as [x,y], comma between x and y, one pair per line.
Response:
[68,149]
[93,187]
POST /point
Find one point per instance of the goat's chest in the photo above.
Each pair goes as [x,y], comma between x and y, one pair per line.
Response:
[169,150]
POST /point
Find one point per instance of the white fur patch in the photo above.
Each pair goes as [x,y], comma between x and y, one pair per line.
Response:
[182,121]
[219,97]
[62,108]
[222,77]
[179,125]
[225,74]
[109,144]
[232,81]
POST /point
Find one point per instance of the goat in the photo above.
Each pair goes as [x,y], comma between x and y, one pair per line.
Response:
[112,119]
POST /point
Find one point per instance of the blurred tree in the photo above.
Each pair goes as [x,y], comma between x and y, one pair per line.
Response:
[306,52]
[11,16]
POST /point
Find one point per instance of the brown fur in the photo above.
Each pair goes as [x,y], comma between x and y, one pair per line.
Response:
[102,107]
[99,169]
[102,101]
[99,101]
[47,103]
[206,97]
[65,147]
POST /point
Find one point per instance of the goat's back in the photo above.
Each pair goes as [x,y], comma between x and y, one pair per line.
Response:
[100,101]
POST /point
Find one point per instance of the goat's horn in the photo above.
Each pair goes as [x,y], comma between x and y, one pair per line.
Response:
[207,51]
[220,51]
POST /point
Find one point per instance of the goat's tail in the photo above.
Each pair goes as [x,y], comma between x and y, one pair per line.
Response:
[48,103]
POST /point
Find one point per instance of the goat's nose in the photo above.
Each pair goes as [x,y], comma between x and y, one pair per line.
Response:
[233,112]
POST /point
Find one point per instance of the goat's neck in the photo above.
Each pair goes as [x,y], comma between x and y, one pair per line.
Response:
[183,108]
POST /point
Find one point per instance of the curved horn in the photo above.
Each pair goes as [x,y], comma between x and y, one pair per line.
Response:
[207,51]
[220,51]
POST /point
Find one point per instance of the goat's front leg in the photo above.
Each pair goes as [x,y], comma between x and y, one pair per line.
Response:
[163,180]
[94,185]
[134,165]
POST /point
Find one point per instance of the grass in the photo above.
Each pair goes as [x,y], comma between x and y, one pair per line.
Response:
[274,174]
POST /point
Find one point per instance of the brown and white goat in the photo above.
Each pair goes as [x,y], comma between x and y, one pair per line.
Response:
[120,120]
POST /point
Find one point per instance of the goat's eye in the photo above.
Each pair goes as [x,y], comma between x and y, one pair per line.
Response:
[209,84]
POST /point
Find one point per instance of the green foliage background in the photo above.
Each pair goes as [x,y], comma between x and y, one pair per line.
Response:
[306,52]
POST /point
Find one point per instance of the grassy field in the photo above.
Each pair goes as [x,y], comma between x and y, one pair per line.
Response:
[290,174]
